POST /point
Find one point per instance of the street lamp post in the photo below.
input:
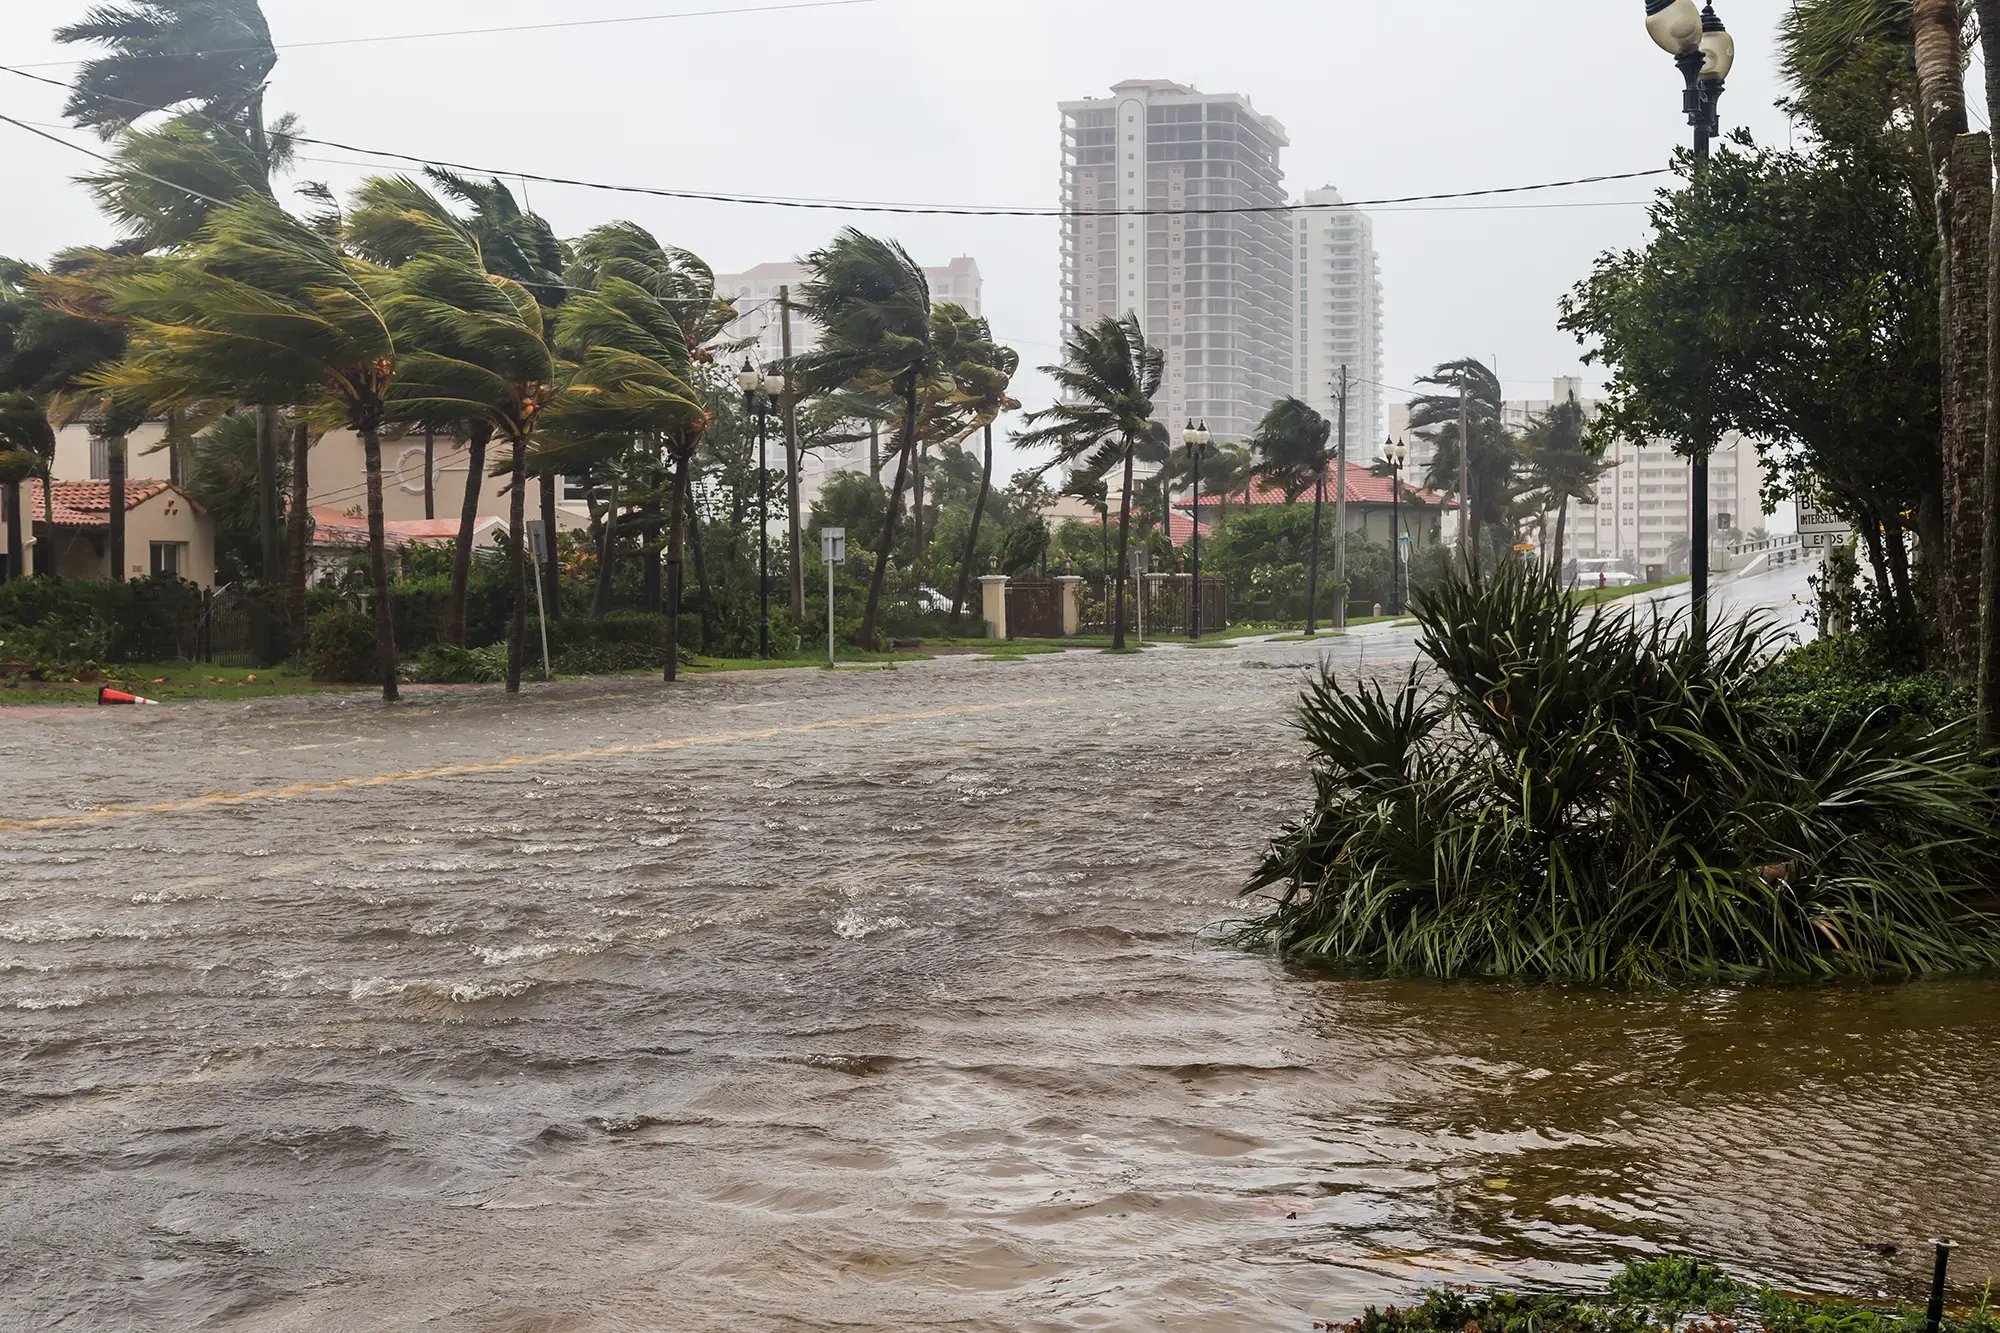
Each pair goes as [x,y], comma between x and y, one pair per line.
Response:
[1705,53]
[1197,440]
[1395,453]
[760,391]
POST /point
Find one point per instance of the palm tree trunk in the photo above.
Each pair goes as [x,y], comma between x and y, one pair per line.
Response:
[430,473]
[298,532]
[797,534]
[551,572]
[114,453]
[694,542]
[917,509]
[607,558]
[1562,527]
[378,560]
[894,511]
[676,519]
[270,547]
[1123,572]
[1312,578]
[517,565]
[476,437]
[652,587]
[1989,549]
[17,543]
[972,531]
[45,546]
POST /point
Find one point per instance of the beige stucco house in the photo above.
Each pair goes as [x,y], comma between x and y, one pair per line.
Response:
[166,532]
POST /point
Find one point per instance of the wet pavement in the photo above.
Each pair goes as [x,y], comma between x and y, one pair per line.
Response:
[884,999]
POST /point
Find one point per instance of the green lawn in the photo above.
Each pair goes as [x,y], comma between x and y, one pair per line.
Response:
[1592,596]
[172,682]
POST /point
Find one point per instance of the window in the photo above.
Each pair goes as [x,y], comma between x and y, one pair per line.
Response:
[168,558]
[100,458]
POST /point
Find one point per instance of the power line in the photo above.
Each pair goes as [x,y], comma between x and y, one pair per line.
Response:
[468,32]
[924,210]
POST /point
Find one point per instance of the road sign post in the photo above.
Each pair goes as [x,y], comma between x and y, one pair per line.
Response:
[538,545]
[832,551]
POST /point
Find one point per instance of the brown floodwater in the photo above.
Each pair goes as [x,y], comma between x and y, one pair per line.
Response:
[797,1000]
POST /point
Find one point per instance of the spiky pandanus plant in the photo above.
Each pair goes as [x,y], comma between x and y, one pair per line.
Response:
[262,309]
[1108,377]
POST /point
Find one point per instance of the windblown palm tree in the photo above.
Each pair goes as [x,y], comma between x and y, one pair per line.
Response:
[873,305]
[1293,441]
[1108,377]
[636,327]
[472,349]
[1558,469]
[1493,456]
[262,309]
[981,373]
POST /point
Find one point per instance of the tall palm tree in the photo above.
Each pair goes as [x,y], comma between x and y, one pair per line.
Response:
[981,373]
[1293,441]
[1989,550]
[1558,468]
[873,305]
[210,59]
[1109,377]
[1492,455]
[263,309]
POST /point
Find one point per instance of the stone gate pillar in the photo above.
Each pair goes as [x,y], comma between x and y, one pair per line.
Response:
[993,604]
[1072,611]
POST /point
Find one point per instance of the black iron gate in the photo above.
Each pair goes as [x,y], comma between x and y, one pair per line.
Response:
[1034,609]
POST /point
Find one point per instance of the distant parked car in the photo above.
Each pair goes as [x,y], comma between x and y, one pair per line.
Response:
[930,599]
[1594,574]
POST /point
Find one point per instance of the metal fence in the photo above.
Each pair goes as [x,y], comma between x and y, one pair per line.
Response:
[1034,609]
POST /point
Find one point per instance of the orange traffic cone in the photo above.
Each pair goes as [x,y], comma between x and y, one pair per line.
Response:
[107,695]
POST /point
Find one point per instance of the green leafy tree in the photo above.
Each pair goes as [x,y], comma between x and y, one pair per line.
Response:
[27,449]
[222,478]
[1109,377]
[1559,468]
[873,305]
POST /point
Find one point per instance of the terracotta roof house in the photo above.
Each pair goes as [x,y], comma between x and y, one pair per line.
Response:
[1370,507]
[337,536]
[166,532]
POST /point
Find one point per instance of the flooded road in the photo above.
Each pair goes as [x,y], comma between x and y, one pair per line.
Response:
[799,1000]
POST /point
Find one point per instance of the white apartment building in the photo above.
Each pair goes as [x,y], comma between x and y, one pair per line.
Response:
[1643,510]
[1213,290]
[1340,316]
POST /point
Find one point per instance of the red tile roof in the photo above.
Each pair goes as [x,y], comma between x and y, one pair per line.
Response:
[1363,487]
[87,504]
[336,527]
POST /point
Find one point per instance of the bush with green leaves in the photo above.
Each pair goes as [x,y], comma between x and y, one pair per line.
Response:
[1851,679]
[447,664]
[1587,794]
[341,646]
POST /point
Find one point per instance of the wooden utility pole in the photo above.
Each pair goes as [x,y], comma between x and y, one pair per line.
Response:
[1340,510]
[792,457]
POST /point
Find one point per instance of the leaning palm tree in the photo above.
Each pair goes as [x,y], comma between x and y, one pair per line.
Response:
[981,374]
[873,305]
[474,349]
[262,309]
[631,389]
[1485,479]
[1557,469]
[1293,440]
[1108,377]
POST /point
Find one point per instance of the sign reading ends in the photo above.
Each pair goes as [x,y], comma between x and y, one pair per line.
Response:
[1820,527]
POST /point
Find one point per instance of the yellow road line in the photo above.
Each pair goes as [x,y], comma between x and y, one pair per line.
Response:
[109,813]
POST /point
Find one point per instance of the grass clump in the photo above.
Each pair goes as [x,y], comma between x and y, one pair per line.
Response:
[1587,795]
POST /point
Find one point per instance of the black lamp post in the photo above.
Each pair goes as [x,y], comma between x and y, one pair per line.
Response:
[1395,454]
[1705,53]
[1197,440]
[759,392]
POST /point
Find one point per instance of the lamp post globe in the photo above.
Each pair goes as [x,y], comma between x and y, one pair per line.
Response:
[774,384]
[1675,25]
[1718,48]
[747,379]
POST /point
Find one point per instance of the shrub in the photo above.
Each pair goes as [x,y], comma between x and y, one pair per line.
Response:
[1588,795]
[447,664]
[1848,681]
[342,646]
[622,641]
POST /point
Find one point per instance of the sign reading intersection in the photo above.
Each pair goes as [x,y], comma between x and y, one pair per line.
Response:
[1820,527]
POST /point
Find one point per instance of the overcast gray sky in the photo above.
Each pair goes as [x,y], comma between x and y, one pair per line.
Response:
[954,102]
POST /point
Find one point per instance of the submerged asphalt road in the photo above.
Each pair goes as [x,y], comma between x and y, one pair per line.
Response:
[872,1000]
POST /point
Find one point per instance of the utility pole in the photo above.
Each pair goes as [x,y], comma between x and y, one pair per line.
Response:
[1340,511]
[792,457]
[1465,525]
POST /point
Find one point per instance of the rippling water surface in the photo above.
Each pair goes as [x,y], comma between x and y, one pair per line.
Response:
[872,1000]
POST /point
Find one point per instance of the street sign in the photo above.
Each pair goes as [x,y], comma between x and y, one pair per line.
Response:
[1820,527]
[833,545]
[538,541]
